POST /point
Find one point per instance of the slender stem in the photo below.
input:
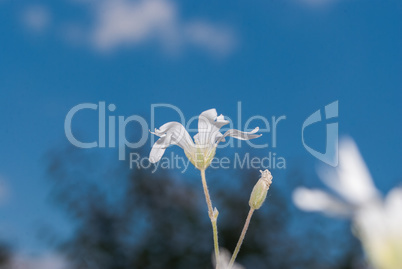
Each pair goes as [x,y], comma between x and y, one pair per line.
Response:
[212,215]
[206,192]
[216,244]
[243,234]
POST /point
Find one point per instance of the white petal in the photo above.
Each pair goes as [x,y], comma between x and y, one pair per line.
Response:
[383,219]
[209,124]
[240,135]
[224,259]
[316,200]
[371,224]
[379,228]
[393,200]
[352,179]
[393,205]
[171,133]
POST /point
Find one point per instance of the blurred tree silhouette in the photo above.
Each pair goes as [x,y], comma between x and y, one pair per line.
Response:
[157,220]
[5,256]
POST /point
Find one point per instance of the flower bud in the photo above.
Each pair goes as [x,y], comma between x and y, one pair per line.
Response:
[260,190]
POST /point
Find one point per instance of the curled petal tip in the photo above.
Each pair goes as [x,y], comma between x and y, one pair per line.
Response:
[154,132]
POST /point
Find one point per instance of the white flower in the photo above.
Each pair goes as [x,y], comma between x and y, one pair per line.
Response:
[376,222]
[202,151]
[380,229]
[224,259]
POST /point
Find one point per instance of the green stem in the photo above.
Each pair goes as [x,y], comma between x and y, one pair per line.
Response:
[243,234]
[216,244]
[213,215]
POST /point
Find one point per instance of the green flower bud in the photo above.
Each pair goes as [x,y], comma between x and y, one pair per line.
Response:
[260,190]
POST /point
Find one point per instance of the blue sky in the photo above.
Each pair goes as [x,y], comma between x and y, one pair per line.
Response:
[278,58]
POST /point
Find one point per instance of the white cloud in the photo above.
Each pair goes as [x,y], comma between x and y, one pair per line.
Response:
[36,18]
[114,24]
[126,21]
[212,37]
[49,261]
[123,22]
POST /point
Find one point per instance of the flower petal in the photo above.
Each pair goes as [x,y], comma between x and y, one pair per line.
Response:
[393,201]
[352,179]
[240,135]
[379,228]
[317,200]
[393,207]
[158,149]
[209,124]
[171,133]
[224,259]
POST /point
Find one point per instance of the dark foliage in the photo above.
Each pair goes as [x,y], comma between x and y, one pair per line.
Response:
[146,220]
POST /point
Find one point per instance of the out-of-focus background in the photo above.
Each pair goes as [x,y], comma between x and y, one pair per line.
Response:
[68,207]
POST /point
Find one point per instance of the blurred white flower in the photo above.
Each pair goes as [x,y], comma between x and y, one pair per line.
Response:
[377,222]
[202,151]
[224,259]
